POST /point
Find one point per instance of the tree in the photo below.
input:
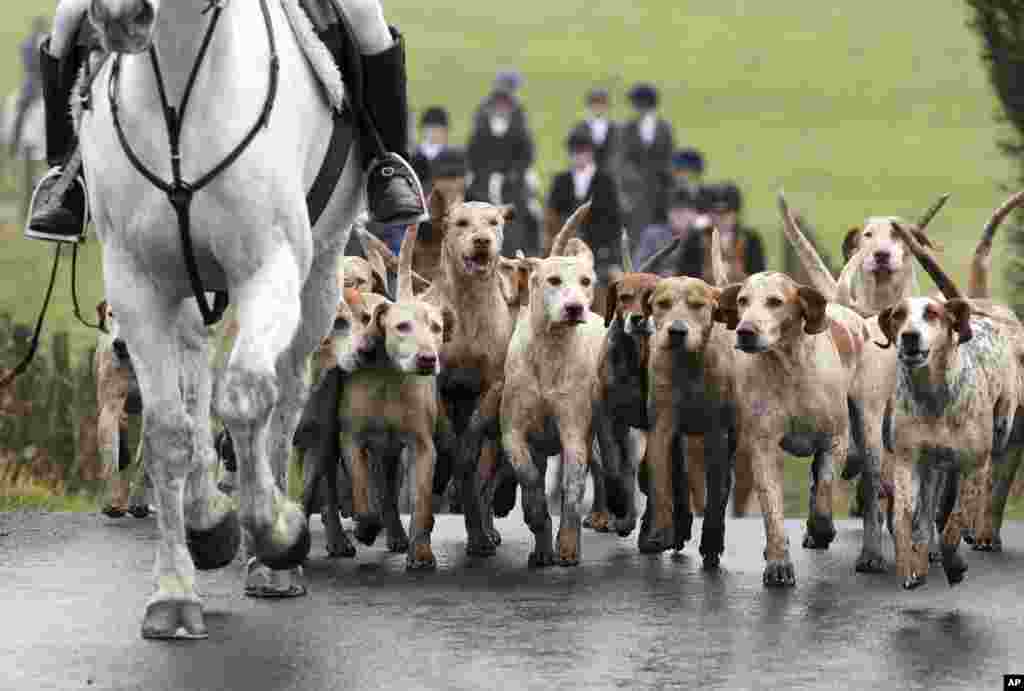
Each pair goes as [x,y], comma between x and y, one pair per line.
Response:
[1000,26]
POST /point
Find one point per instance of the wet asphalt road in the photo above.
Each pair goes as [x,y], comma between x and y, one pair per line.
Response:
[72,589]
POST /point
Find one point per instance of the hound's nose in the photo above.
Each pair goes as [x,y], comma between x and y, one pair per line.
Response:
[746,336]
[678,330]
[574,311]
[636,319]
[882,256]
[426,361]
[482,243]
[910,341]
[120,348]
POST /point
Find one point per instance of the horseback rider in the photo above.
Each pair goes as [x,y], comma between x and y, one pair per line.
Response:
[30,84]
[394,194]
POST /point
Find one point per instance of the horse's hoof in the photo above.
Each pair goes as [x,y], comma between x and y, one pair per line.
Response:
[398,543]
[292,556]
[540,560]
[870,563]
[112,511]
[495,536]
[170,619]
[216,547]
[139,510]
[779,574]
[481,547]
[914,581]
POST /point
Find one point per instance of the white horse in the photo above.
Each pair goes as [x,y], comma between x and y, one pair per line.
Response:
[252,237]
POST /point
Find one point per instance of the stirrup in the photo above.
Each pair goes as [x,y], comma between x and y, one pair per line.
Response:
[44,193]
[391,165]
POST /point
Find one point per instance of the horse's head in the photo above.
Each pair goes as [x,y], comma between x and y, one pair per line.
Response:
[124,26]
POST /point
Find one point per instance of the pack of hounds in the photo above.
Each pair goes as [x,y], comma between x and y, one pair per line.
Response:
[479,371]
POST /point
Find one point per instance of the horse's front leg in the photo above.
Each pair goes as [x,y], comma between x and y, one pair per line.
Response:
[212,528]
[268,303]
[174,610]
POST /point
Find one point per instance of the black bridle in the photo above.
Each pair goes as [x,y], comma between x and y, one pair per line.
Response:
[180,192]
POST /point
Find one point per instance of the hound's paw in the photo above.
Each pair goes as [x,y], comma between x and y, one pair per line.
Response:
[480,546]
[820,533]
[540,559]
[712,561]
[655,541]
[597,521]
[112,511]
[712,544]
[954,566]
[339,546]
[495,536]
[368,527]
[624,526]
[779,574]
[398,543]
[421,558]
[174,619]
[683,529]
[985,544]
[139,510]
[914,580]
[568,547]
[869,562]
[934,556]
[967,535]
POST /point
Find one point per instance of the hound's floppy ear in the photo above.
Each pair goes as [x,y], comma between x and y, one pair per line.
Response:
[727,313]
[379,312]
[101,313]
[886,326]
[645,298]
[508,212]
[611,303]
[448,318]
[380,282]
[850,243]
[958,311]
[438,209]
[813,304]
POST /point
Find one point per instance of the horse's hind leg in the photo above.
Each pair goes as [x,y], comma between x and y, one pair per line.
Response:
[174,610]
[212,529]
[268,311]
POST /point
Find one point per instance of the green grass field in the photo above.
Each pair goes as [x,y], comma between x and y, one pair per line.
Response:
[872,107]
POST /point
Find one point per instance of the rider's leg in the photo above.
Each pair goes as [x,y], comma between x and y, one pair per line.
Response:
[60,62]
[66,20]
[393,190]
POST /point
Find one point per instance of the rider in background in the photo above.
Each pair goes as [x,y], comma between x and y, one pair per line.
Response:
[31,79]
[393,191]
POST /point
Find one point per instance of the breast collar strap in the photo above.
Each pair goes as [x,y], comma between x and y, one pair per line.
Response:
[180,192]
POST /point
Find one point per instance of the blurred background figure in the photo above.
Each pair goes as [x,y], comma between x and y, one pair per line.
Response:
[31,81]
[742,248]
[602,129]
[581,182]
[687,168]
[433,140]
[687,213]
[499,156]
[645,153]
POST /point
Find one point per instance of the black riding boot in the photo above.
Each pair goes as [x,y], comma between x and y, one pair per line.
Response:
[64,221]
[393,190]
